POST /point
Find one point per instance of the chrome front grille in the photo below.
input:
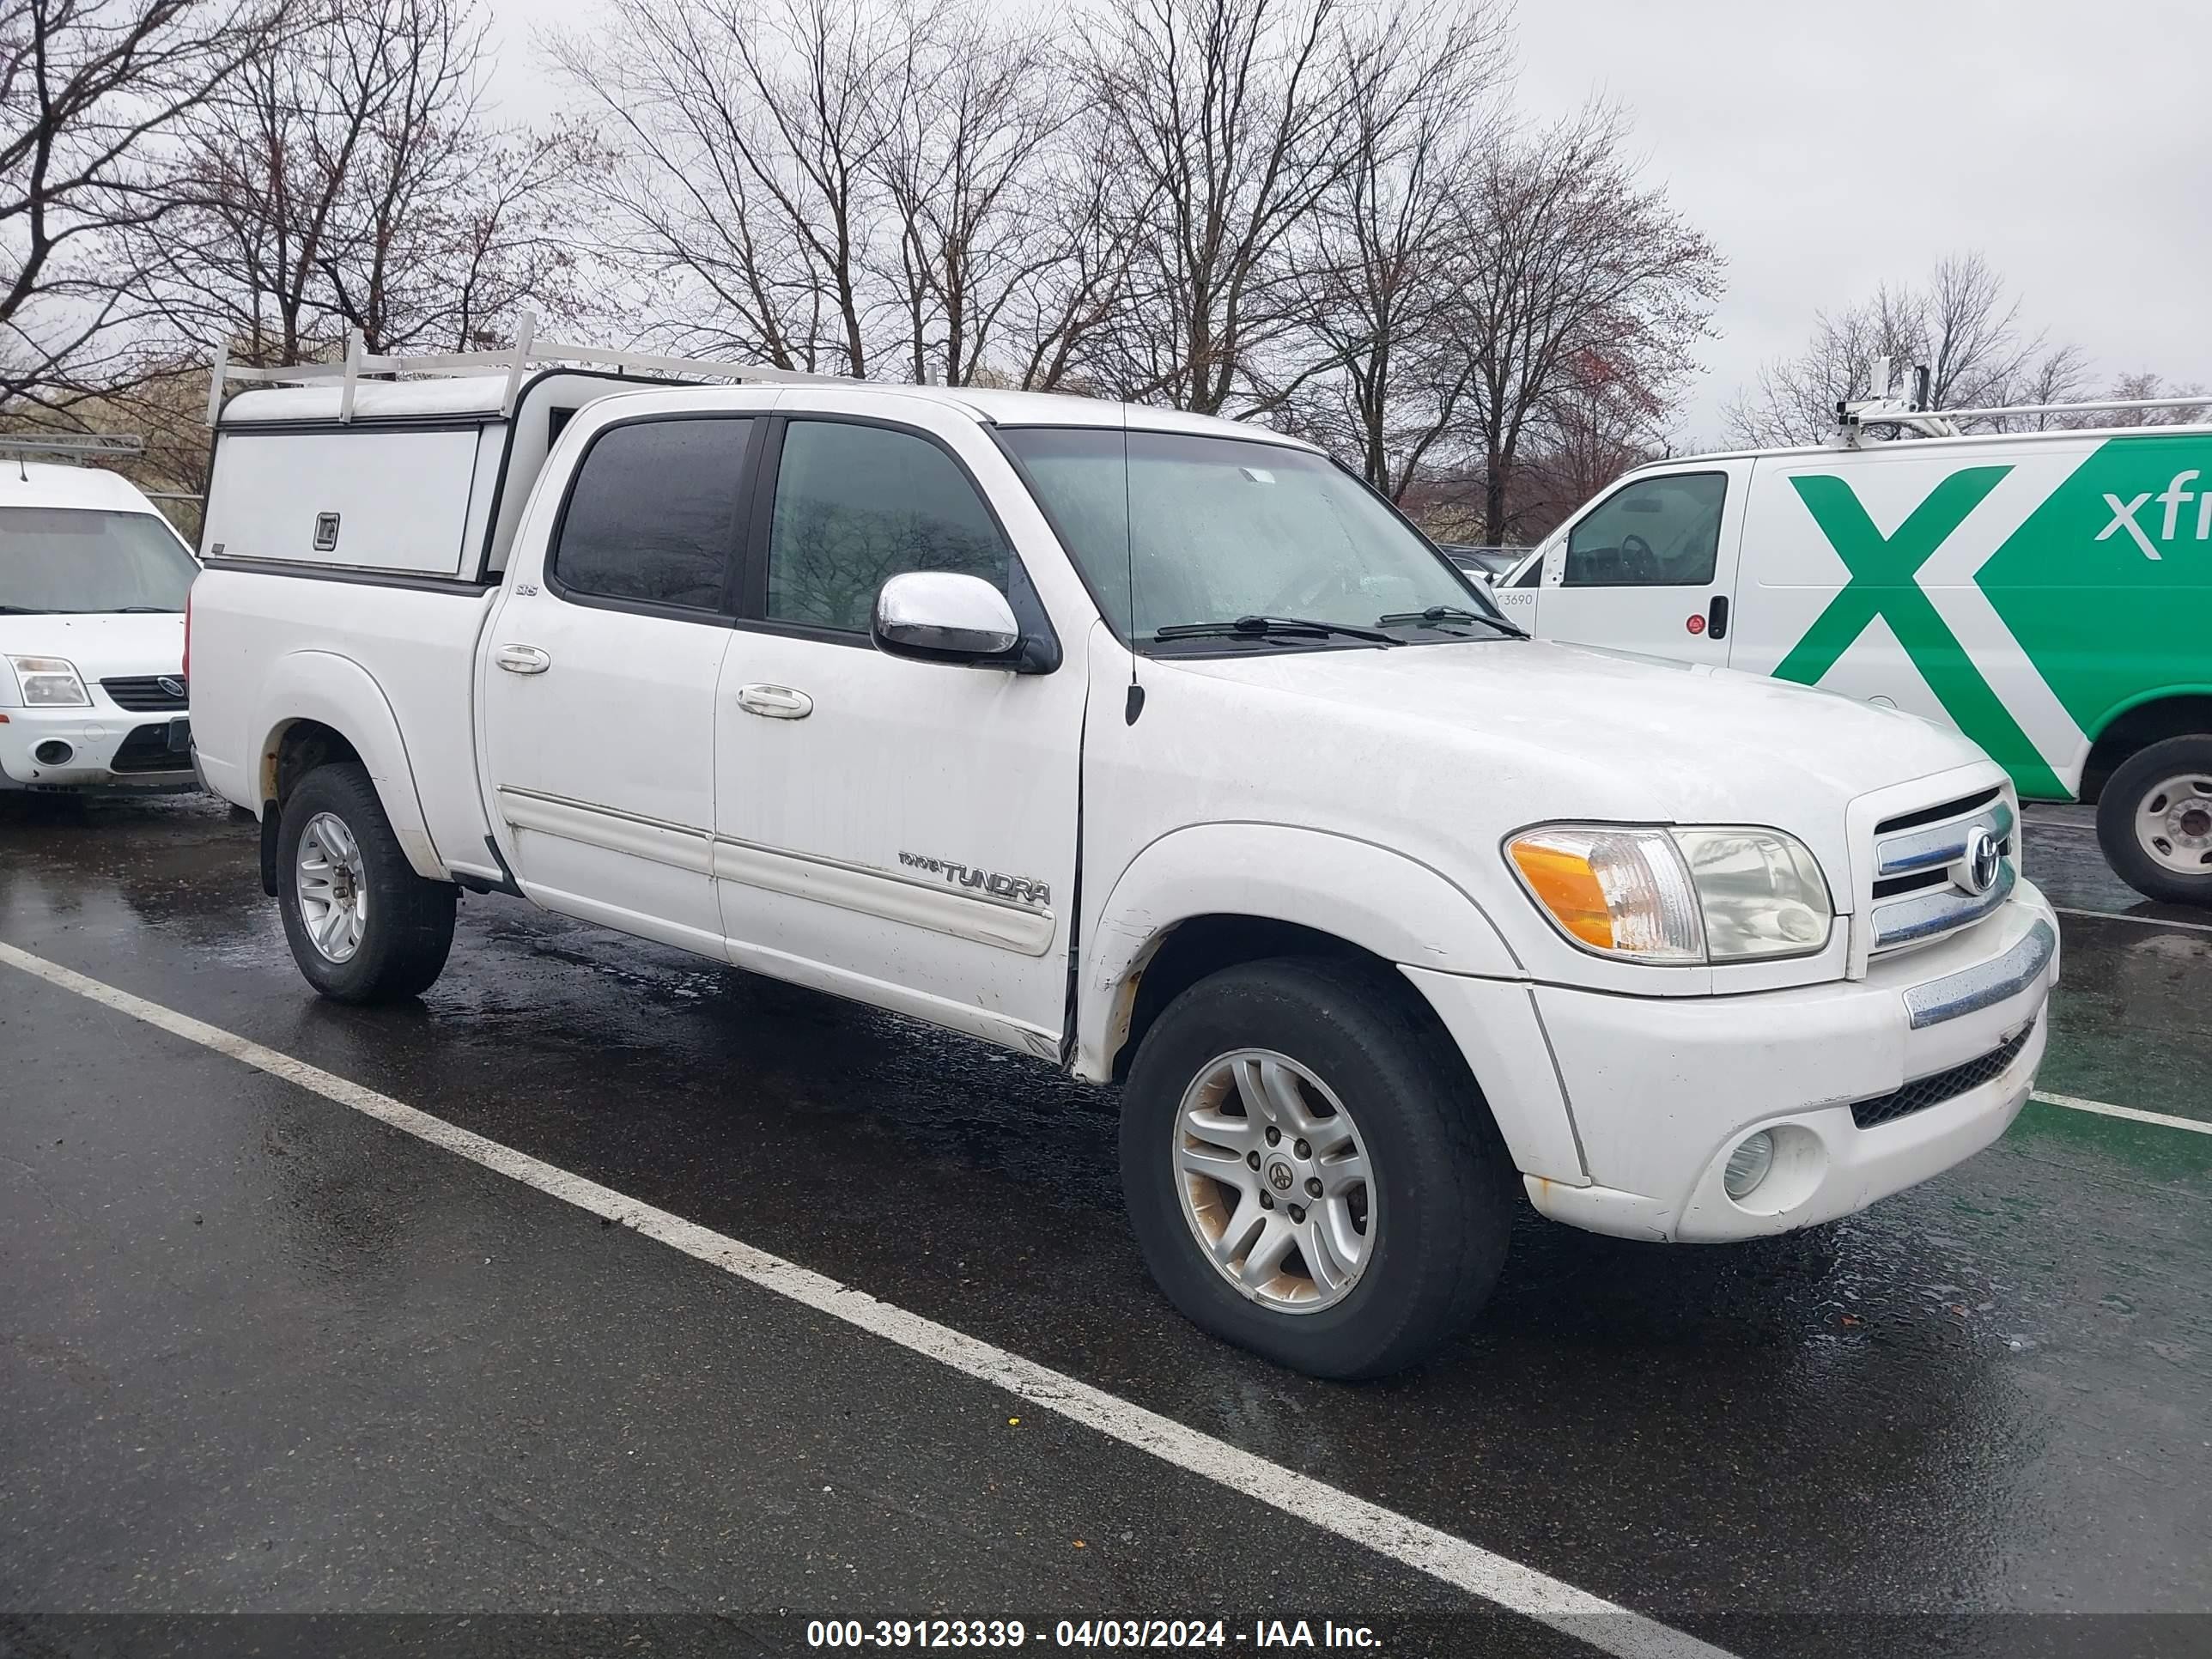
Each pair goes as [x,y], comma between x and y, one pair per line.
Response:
[1926,882]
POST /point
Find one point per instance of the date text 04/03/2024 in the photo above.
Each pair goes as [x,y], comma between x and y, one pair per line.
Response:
[1087,1634]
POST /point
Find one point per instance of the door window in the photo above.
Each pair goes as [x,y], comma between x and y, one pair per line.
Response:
[651,520]
[857,505]
[1658,533]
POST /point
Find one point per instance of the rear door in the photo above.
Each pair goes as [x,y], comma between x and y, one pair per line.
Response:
[1649,567]
[598,678]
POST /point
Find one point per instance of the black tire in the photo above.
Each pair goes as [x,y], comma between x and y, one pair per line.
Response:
[1444,1180]
[409,926]
[2128,792]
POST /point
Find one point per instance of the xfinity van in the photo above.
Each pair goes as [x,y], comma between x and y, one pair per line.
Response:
[2048,593]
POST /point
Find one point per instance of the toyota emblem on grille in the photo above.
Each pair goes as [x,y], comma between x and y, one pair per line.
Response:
[1978,871]
[174,688]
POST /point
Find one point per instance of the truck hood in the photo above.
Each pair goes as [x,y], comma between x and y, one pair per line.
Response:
[102,646]
[1567,731]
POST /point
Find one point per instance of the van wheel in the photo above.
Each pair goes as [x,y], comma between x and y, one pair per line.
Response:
[1310,1171]
[2154,820]
[363,926]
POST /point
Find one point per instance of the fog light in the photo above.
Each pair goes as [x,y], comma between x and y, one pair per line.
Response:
[1747,1165]
[53,752]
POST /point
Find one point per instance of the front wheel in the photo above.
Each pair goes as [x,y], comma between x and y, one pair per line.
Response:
[363,926]
[2154,820]
[1310,1171]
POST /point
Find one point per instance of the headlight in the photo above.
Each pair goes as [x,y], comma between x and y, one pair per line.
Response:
[50,683]
[1676,895]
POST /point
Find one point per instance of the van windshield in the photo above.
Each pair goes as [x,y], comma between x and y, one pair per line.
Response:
[75,560]
[1201,533]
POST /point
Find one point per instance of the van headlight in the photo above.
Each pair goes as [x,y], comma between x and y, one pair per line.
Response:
[50,683]
[1698,894]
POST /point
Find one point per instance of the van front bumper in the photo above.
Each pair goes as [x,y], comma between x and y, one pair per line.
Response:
[96,738]
[1937,1049]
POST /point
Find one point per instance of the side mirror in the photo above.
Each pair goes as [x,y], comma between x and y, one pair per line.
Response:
[941,616]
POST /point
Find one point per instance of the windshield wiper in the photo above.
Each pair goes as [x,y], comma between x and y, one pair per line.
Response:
[144,610]
[1254,628]
[1437,613]
[29,611]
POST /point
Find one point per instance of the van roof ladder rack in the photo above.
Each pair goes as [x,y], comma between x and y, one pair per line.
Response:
[1853,415]
[70,445]
[515,361]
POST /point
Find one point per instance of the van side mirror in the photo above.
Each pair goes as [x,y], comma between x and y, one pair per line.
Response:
[943,616]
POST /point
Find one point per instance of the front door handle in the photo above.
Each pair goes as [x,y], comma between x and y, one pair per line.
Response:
[522,658]
[775,702]
[1717,619]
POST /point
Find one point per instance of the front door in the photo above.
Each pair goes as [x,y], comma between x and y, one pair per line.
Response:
[1652,567]
[897,831]
[598,683]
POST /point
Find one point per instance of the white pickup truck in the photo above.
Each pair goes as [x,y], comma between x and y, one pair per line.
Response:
[1154,746]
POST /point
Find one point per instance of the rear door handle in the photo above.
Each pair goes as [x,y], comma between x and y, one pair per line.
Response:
[775,702]
[1717,619]
[522,658]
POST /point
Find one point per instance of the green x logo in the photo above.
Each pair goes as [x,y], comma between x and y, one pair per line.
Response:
[1885,583]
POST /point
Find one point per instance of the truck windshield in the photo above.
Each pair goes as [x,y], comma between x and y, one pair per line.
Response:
[78,559]
[1200,543]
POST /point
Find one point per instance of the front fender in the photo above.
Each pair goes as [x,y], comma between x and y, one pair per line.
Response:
[338,692]
[1382,901]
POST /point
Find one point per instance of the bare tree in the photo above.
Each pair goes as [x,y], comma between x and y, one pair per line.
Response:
[1230,118]
[831,186]
[1055,321]
[747,133]
[1580,282]
[969,123]
[1371,371]
[2146,387]
[1961,324]
[89,90]
[349,179]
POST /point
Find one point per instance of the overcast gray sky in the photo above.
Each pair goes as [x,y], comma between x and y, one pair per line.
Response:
[1826,148]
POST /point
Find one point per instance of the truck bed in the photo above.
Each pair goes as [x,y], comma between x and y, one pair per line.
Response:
[270,647]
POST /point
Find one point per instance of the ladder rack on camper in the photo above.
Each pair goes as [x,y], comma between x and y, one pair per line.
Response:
[1854,415]
[516,362]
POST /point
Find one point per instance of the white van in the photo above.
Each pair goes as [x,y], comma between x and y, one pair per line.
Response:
[2050,593]
[92,582]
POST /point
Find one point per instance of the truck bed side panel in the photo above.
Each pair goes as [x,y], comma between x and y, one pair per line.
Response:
[389,666]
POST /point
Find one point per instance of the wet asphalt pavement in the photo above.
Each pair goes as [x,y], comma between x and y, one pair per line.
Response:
[260,1354]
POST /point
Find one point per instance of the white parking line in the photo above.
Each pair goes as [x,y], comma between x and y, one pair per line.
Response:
[2133,1113]
[2146,921]
[1495,1578]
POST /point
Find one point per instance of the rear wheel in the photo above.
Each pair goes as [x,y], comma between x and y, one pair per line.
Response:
[363,926]
[1310,1171]
[2154,820]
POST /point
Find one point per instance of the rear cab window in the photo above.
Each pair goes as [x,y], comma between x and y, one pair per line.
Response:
[652,519]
